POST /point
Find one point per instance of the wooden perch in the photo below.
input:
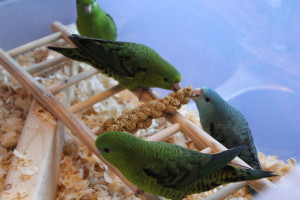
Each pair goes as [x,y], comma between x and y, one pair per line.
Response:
[226,191]
[95,99]
[60,28]
[45,98]
[46,64]
[72,80]
[207,150]
[34,44]
[35,168]
[164,134]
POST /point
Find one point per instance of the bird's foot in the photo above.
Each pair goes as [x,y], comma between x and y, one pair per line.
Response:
[138,192]
[141,91]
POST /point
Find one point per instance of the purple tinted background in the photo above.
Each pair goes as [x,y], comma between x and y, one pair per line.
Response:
[249,51]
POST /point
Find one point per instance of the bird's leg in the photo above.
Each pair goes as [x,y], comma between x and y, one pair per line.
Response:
[140,91]
[138,192]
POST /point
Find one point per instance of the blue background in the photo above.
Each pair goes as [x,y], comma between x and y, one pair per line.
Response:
[249,51]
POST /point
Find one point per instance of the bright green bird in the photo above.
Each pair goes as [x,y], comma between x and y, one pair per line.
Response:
[133,65]
[92,21]
[169,170]
[226,124]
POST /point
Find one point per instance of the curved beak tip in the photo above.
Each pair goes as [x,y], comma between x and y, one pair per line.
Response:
[176,87]
[87,9]
[196,93]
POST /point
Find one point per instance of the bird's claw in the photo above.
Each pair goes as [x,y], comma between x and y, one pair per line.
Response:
[138,192]
[140,92]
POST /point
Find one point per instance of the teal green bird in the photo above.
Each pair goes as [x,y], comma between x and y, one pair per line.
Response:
[133,65]
[226,124]
[169,170]
[92,21]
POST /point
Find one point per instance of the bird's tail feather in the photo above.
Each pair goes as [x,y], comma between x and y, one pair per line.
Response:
[72,53]
[219,160]
[235,174]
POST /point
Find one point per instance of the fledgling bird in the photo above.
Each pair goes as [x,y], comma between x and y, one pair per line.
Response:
[133,65]
[169,170]
[92,21]
[226,124]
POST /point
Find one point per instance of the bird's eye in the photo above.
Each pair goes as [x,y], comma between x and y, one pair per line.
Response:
[207,99]
[166,79]
[106,150]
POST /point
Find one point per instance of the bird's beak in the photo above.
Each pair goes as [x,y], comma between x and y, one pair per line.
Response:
[196,93]
[87,9]
[176,87]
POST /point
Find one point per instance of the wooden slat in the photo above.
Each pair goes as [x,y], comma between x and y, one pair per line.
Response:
[45,98]
[41,143]
[164,134]
[207,150]
[60,28]
[95,99]
[226,191]
[46,64]
[72,80]
[34,44]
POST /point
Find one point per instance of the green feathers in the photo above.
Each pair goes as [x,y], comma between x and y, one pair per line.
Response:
[92,21]
[169,170]
[133,65]
[226,124]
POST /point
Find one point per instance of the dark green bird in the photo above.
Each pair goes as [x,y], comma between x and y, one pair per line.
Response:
[169,170]
[92,21]
[133,65]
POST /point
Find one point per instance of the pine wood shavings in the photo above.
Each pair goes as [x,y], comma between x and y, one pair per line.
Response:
[20,195]
[44,115]
[84,177]
[24,166]
[15,103]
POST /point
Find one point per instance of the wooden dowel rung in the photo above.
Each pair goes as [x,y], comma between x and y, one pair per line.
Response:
[59,27]
[95,99]
[45,98]
[226,191]
[54,89]
[44,65]
[207,150]
[36,43]
[96,129]
[164,134]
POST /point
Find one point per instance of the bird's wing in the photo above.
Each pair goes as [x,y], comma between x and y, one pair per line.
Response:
[114,56]
[177,172]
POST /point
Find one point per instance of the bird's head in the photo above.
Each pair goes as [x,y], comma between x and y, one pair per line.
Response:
[208,101]
[86,5]
[166,77]
[116,147]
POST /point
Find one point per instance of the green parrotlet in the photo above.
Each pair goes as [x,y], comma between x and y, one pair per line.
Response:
[169,170]
[92,21]
[226,124]
[133,65]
